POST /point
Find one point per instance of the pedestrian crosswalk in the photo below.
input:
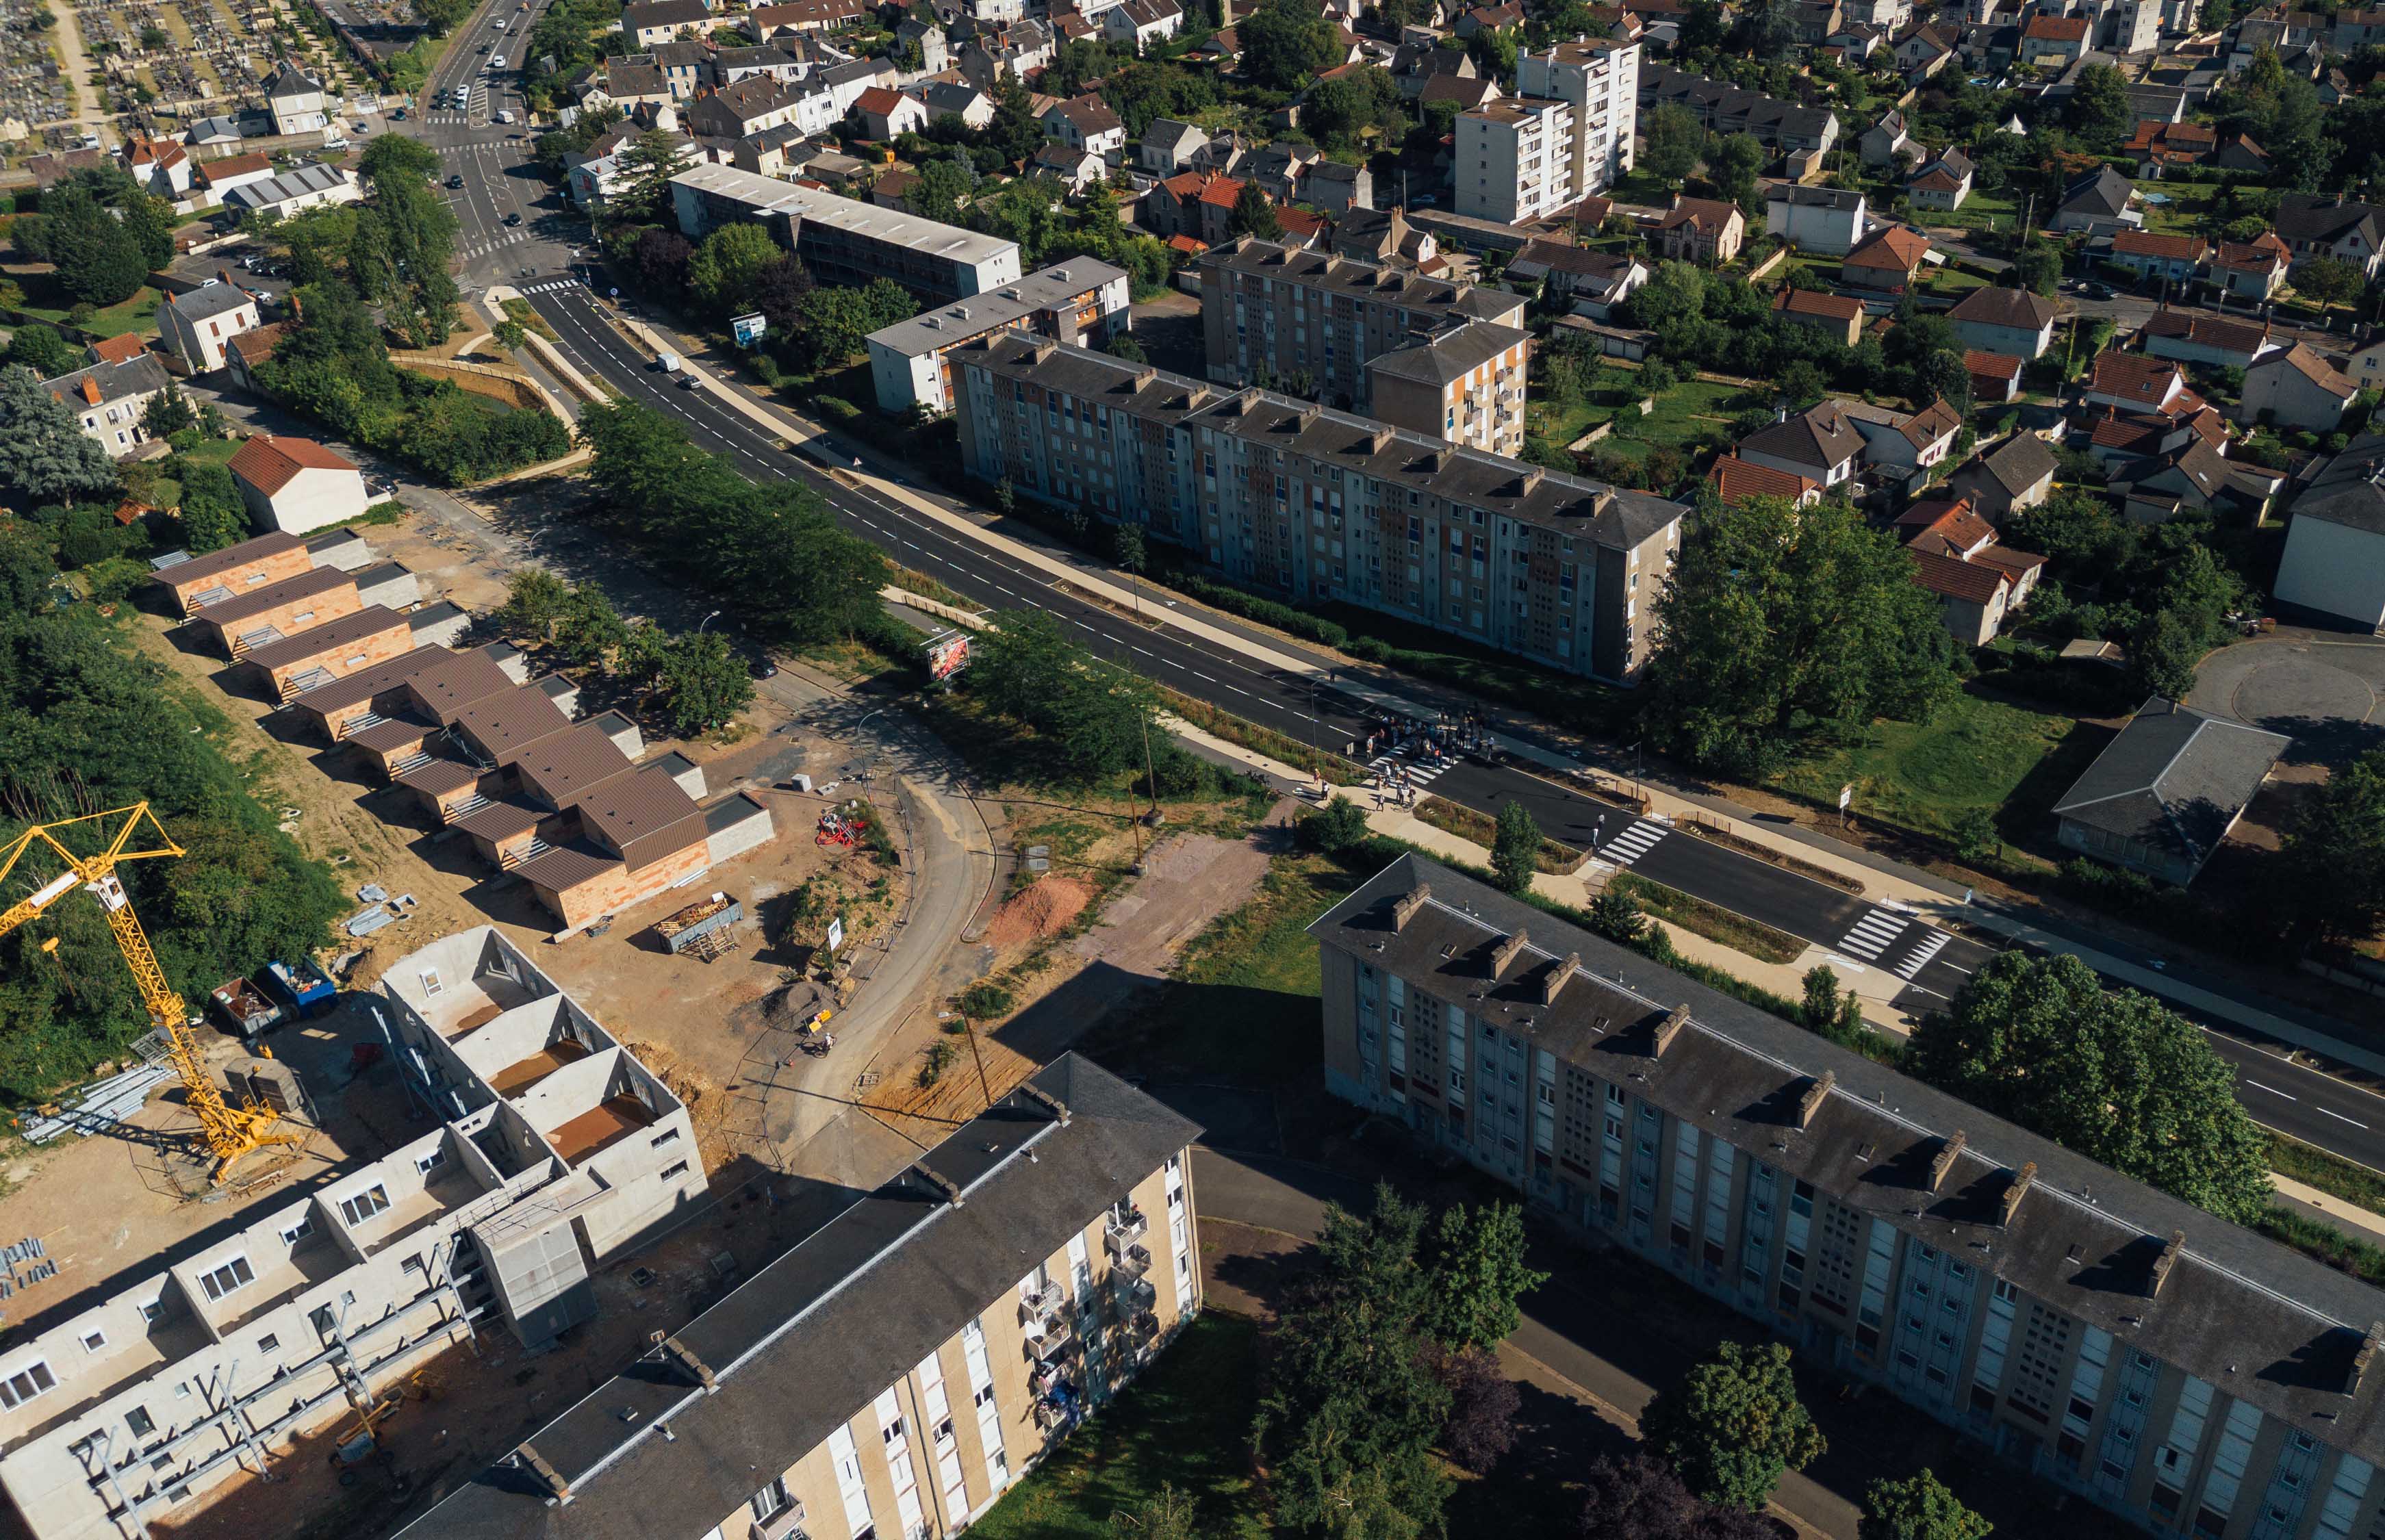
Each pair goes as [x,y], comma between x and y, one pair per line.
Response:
[1923,953]
[557,287]
[1388,767]
[1634,842]
[1873,935]
[482,248]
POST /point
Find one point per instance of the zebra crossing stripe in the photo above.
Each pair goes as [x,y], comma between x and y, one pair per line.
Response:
[1929,948]
[1634,842]
[1873,935]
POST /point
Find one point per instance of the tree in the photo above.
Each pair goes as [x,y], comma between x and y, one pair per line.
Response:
[150,222]
[510,335]
[1734,1425]
[1514,848]
[43,349]
[1351,1409]
[169,413]
[1124,346]
[1673,140]
[2038,268]
[44,454]
[1475,1261]
[99,261]
[2335,853]
[726,271]
[1166,1514]
[2112,1074]
[404,241]
[2163,655]
[213,513]
[1636,1497]
[662,256]
[1918,1507]
[1285,42]
[1734,162]
[702,682]
[1820,1006]
[2328,281]
[1778,622]
[536,603]
[1616,915]
[1253,214]
[1482,1406]
[1337,826]
[1127,548]
[1802,381]
[2099,111]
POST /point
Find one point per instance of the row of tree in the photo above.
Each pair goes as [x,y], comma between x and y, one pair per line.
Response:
[102,232]
[694,680]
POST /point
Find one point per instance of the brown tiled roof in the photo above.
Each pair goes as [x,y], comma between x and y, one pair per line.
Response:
[1810,301]
[2173,248]
[119,350]
[371,621]
[1703,214]
[269,464]
[1974,581]
[1997,305]
[2058,29]
[2134,377]
[2318,370]
[1991,366]
[1735,480]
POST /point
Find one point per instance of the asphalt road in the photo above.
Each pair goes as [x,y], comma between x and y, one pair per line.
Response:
[536,256]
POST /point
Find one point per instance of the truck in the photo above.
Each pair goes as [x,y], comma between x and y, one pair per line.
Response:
[245,1007]
[666,362]
[302,986]
[704,929]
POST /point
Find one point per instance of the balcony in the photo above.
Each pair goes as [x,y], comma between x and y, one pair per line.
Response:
[785,1524]
[1036,1303]
[1122,1230]
[1048,1336]
[1135,1296]
[1128,1260]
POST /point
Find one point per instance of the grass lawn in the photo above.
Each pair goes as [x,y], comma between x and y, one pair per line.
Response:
[1984,211]
[1951,281]
[220,451]
[137,314]
[1977,752]
[1639,188]
[2184,205]
[1186,1423]
[1692,411]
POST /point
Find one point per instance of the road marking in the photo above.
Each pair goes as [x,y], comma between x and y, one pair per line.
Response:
[1922,954]
[2341,1118]
[1632,843]
[1196,673]
[1873,935]
[2271,1090]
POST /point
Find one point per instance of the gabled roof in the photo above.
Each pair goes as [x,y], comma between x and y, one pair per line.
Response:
[2174,778]
[2173,248]
[2311,367]
[2057,29]
[2101,192]
[1974,582]
[209,301]
[1450,357]
[122,349]
[2021,464]
[2017,309]
[1991,366]
[269,464]
[1892,249]
[1703,215]
[1813,302]
[2305,217]
[2135,378]
[96,384]
[2264,254]
[1819,436]
[1735,480]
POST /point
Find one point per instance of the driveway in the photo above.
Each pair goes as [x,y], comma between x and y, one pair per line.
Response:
[2324,692]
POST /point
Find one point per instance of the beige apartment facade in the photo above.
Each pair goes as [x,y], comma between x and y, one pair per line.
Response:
[1515,160]
[1320,504]
[1599,79]
[1465,387]
[897,1371]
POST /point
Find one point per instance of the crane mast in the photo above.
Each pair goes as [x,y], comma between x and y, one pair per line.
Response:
[227,1131]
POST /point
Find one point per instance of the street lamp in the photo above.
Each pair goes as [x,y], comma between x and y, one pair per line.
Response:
[707,621]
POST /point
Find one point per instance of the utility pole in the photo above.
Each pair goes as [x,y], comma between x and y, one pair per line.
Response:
[969,1030]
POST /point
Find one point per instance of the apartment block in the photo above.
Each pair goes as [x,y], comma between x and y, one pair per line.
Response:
[2184,1375]
[1080,301]
[1311,322]
[553,1150]
[1599,78]
[1514,160]
[1029,1266]
[1319,504]
[1463,387]
[843,240]
[1782,126]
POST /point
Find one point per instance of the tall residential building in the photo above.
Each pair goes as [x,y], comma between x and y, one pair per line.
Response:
[1599,78]
[553,1150]
[1319,504]
[1462,387]
[898,1369]
[2187,1375]
[1515,160]
[1311,322]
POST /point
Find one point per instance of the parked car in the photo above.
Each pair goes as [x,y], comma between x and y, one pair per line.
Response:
[512,220]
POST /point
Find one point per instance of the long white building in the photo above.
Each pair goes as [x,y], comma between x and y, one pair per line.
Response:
[842,241]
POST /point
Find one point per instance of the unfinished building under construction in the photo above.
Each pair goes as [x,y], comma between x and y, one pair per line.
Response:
[553,1149]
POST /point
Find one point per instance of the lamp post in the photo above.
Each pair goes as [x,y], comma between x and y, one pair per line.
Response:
[707,621]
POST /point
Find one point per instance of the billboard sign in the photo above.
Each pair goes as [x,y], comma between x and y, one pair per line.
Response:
[748,329]
[835,932]
[948,653]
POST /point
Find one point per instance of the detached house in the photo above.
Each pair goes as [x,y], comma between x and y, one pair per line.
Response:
[1978,581]
[1825,219]
[1887,263]
[109,398]
[1702,231]
[200,324]
[651,21]
[2295,387]
[1137,24]
[2016,474]
[160,168]
[2252,272]
[2172,258]
[1735,480]
[294,485]
[2313,227]
[2004,320]
[1837,316]
[2162,796]
[1818,443]
[296,101]
[1941,184]
[2187,337]
[2134,382]
[2096,204]
[1905,442]
[886,114]
[2053,40]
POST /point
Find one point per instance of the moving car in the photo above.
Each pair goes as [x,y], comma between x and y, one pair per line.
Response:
[506,116]
[455,184]
[498,62]
[512,220]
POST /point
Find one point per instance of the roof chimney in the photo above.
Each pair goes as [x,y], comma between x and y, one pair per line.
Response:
[2008,1204]
[1670,1028]
[1815,1095]
[1556,977]
[2367,1355]
[1506,952]
[1943,1162]
[2159,1273]
[1408,905]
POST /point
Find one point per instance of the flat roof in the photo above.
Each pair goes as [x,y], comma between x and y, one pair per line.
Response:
[942,326]
[892,226]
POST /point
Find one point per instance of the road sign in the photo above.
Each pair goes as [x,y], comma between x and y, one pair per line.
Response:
[948,653]
[748,329]
[1846,796]
[836,933]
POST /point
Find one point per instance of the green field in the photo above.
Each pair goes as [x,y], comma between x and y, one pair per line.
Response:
[1186,1423]
[1975,753]
[1692,411]
[137,314]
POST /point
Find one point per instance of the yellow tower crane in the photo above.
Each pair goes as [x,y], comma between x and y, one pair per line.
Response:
[228,1131]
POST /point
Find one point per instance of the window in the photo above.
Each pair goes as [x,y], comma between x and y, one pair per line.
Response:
[675,1169]
[94,1341]
[432,1160]
[293,1233]
[364,1205]
[152,1311]
[269,1342]
[140,1422]
[23,1384]
[666,1136]
[221,1281]
[771,1501]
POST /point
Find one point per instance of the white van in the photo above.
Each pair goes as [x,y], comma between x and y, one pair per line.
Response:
[506,116]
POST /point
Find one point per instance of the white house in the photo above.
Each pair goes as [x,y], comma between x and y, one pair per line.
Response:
[201,324]
[1085,123]
[1825,219]
[294,485]
[2333,567]
[296,100]
[107,399]
[161,167]
[2004,320]
[306,188]
[2296,388]
[887,113]
[1139,23]
[1170,147]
